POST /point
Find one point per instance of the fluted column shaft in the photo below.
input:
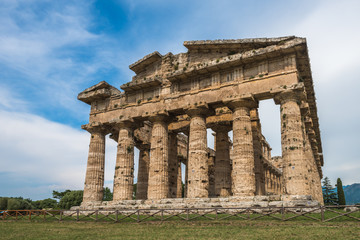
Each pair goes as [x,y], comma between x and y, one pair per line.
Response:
[243,174]
[124,168]
[266,180]
[259,171]
[159,155]
[143,173]
[314,176]
[222,162]
[179,182]
[292,143]
[173,165]
[198,180]
[94,179]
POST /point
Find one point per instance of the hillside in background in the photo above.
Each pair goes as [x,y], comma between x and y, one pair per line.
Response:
[352,193]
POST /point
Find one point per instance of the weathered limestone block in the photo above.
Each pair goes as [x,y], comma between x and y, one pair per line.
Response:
[222,162]
[173,165]
[94,180]
[158,187]
[197,179]
[243,174]
[143,173]
[295,169]
[124,168]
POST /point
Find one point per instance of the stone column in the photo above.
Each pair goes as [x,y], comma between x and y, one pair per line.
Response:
[198,180]
[124,168]
[159,155]
[222,162]
[143,172]
[211,174]
[267,180]
[292,143]
[187,133]
[243,173]
[259,171]
[179,182]
[94,179]
[173,164]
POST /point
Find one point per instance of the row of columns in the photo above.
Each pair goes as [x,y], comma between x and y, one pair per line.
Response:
[273,181]
[246,178]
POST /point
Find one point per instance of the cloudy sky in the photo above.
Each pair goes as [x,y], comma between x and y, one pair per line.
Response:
[52,50]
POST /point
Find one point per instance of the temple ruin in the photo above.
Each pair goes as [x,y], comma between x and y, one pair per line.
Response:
[170,103]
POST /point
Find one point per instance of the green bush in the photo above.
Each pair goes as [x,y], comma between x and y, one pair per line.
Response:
[70,199]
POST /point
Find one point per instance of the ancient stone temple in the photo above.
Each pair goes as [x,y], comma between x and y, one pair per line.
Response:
[170,103]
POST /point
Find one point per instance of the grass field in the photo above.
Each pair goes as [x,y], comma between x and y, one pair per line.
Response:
[236,229]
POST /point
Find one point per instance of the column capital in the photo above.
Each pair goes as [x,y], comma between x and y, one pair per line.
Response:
[199,110]
[95,127]
[221,128]
[242,103]
[143,147]
[295,95]
[160,117]
[124,123]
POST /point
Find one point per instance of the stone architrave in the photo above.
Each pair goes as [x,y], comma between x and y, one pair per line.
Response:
[173,165]
[243,169]
[295,168]
[124,168]
[158,187]
[197,179]
[222,161]
[143,173]
[94,180]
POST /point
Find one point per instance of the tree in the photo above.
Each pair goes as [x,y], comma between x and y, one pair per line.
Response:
[108,196]
[19,203]
[45,203]
[330,196]
[59,195]
[340,192]
[70,199]
[134,190]
[182,189]
[3,203]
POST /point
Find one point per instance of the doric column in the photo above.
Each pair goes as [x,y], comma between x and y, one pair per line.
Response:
[173,164]
[124,168]
[159,155]
[272,177]
[243,173]
[94,179]
[179,182]
[211,174]
[222,161]
[143,172]
[198,180]
[292,143]
[259,171]
[266,179]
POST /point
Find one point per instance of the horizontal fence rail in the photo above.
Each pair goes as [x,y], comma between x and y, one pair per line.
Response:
[320,214]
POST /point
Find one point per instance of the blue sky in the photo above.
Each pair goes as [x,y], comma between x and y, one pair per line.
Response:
[52,50]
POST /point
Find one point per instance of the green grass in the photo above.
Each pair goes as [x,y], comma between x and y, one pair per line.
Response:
[180,230]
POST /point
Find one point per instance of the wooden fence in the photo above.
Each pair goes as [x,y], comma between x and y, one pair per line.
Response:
[320,214]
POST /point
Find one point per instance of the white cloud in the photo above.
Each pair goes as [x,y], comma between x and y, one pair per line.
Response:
[38,156]
[38,149]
